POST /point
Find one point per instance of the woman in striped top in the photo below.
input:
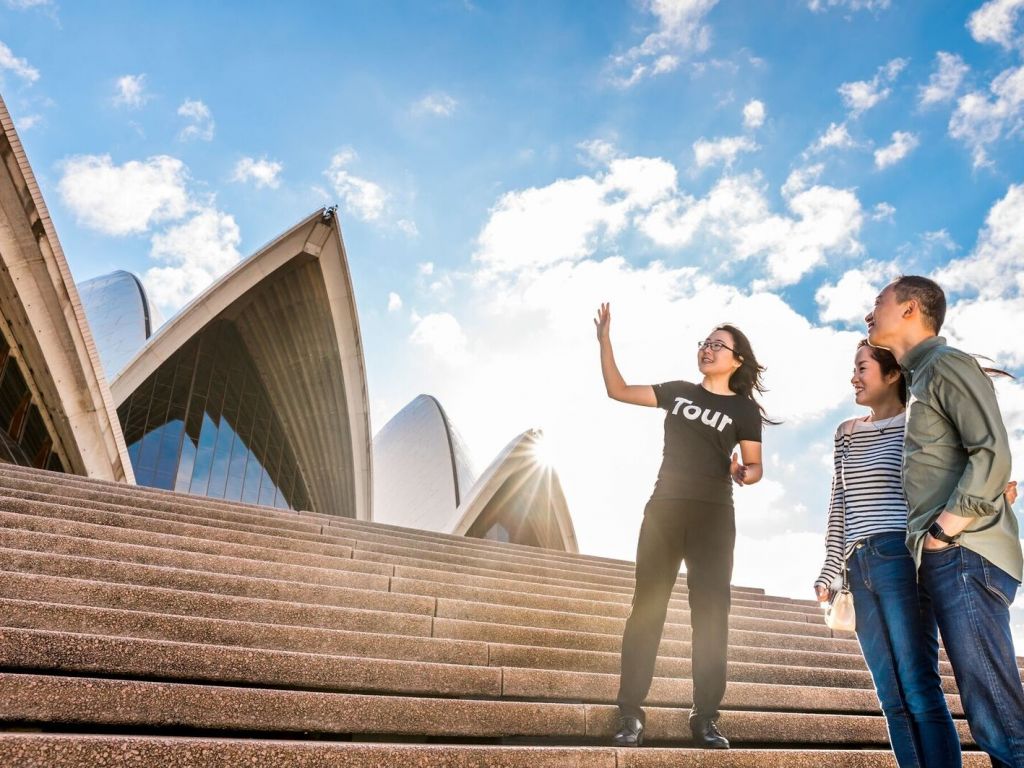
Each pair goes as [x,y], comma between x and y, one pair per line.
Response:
[867,524]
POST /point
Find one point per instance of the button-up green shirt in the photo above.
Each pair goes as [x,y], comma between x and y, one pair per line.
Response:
[956,455]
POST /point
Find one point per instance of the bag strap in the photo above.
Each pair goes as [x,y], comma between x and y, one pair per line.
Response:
[846,430]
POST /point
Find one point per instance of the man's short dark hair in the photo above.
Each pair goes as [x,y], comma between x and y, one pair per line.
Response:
[928,295]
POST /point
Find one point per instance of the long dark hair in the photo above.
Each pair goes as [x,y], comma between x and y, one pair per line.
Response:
[747,379]
[887,362]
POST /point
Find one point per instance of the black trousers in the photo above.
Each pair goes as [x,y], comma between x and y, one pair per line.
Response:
[703,535]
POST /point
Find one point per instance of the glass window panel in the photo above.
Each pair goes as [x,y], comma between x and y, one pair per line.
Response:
[204,456]
[251,481]
[12,392]
[221,458]
[167,464]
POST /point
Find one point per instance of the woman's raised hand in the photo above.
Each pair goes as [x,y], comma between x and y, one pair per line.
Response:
[1011,492]
[603,322]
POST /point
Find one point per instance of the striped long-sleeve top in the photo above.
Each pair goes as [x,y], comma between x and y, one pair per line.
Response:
[867,489]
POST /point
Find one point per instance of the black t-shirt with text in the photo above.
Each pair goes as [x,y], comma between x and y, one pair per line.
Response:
[701,431]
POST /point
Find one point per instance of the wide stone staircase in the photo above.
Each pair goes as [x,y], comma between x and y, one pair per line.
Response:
[145,628]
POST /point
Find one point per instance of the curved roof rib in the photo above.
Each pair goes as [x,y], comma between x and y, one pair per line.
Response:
[522,494]
[42,311]
[422,469]
[293,305]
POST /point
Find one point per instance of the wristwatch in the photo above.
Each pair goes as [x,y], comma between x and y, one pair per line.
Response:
[940,535]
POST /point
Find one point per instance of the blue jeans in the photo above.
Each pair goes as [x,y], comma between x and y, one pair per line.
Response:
[897,634]
[972,606]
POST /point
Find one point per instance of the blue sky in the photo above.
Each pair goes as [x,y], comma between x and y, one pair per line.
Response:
[500,169]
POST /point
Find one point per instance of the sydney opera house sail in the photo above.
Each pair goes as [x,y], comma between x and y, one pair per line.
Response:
[120,315]
[422,468]
[256,390]
[424,478]
[56,411]
[253,392]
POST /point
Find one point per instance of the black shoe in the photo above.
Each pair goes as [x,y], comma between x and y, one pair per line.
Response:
[706,734]
[630,733]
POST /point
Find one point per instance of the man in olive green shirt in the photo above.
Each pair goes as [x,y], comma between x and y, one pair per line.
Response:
[960,528]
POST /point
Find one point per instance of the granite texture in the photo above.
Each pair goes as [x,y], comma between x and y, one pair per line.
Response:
[63,751]
[377,643]
[63,652]
[131,704]
[57,589]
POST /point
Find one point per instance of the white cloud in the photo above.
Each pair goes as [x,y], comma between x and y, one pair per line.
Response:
[426,268]
[394,302]
[836,136]
[853,5]
[408,227]
[597,152]
[131,91]
[994,23]
[28,122]
[988,326]
[438,104]
[195,252]
[262,172]
[570,219]
[20,67]
[979,120]
[883,212]
[940,238]
[124,199]
[801,178]
[562,220]
[441,334]
[903,143]
[723,150]
[22,5]
[995,268]
[753,114]
[862,95]
[851,297]
[681,31]
[945,80]
[361,197]
[201,125]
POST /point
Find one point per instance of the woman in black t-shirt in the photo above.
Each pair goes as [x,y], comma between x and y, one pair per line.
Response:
[689,518]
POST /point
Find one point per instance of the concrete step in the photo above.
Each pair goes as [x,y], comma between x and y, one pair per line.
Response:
[374,596]
[35,541]
[458,629]
[99,541]
[96,655]
[306,530]
[167,523]
[81,488]
[100,533]
[746,664]
[35,700]
[57,589]
[298,600]
[31,750]
[84,619]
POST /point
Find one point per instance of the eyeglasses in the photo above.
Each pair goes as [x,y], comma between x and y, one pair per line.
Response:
[714,346]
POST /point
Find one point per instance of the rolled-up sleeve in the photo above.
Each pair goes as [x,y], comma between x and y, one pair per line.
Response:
[967,397]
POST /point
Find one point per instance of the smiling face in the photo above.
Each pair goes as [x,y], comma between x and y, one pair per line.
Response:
[720,363]
[872,387]
[885,319]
